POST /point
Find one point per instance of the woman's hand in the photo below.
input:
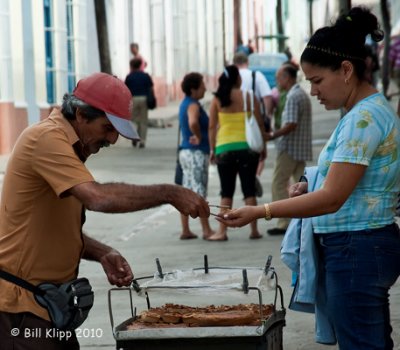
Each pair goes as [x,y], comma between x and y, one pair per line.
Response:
[298,189]
[212,158]
[263,153]
[241,216]
[194,140]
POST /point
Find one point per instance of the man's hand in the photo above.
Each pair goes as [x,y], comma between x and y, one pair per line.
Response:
[116,268]
[189,203]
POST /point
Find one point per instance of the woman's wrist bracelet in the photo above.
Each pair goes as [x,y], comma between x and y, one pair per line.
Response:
[267,212]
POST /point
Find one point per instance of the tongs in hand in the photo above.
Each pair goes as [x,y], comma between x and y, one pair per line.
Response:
[218,206]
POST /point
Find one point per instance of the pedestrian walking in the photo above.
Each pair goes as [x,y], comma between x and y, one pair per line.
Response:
[294,139]
[135,53]
[194,149]
[141,87]
[254,80]
[228,146]
[352,211]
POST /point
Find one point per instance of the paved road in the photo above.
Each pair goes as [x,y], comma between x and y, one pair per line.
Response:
[146,235]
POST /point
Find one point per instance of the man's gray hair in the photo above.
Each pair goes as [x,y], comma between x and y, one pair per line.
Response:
[71,103]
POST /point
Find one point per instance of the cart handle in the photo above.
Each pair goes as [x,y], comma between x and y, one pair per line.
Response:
[110,306]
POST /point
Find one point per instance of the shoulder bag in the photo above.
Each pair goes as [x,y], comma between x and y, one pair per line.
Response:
[266,119]
[68,304]
[178,168]
[254,136]
[151,99]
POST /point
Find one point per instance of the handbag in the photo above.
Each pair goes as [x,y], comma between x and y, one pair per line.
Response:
[178,173]
[68,304]
[265,118]
[151,99]
[178,167]
[254,136]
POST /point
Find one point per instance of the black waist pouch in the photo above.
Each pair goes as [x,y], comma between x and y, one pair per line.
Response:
[68,304]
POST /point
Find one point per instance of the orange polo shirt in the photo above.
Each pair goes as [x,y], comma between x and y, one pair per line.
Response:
[40,230]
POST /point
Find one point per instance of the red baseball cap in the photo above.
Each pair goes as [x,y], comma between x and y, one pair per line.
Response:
[109,94]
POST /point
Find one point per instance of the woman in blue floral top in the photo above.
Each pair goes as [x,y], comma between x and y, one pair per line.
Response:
[353,210]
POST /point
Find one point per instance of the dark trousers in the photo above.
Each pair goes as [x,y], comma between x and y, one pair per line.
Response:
[25,331]
[232,163]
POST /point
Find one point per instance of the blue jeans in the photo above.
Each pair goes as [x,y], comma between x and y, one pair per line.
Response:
[359,268]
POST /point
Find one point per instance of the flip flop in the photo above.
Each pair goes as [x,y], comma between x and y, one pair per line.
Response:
[191,236]
[255,237]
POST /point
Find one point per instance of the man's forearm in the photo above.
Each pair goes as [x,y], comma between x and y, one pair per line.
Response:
[127,198]
[124,198]
[94,250]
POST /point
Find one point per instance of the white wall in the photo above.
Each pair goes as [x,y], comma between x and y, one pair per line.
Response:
[6,71]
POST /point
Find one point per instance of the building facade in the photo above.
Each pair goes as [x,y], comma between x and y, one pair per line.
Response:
[46,46]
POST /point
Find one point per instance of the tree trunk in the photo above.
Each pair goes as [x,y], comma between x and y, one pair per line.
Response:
[279,24]
[310,19]
[237,22]
[344,6]
[102,36]
[386,46]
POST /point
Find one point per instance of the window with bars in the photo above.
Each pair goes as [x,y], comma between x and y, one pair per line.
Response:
[49,52]
[70,46]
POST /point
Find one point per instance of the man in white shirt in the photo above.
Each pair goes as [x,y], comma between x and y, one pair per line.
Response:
[261,89]
[262,92]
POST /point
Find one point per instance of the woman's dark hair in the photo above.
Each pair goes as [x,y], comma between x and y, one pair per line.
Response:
[71,103]
[227,81]
[343,41]
[191,81]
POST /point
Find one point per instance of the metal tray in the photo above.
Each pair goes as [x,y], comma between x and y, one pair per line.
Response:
[266,336]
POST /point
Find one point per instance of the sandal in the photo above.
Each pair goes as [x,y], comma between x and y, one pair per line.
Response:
[189,236]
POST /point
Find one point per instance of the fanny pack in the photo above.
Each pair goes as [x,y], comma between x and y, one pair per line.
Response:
[68,304]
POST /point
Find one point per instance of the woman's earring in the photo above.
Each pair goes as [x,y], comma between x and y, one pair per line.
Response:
[346,81]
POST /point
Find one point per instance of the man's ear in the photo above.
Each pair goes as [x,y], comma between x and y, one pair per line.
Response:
[79,117]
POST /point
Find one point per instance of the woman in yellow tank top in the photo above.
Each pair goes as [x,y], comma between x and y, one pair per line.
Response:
[228,146]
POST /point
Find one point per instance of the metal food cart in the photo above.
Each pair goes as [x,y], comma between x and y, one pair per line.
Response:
[265,336]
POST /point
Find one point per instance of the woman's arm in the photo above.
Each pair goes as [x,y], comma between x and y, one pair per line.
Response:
[341,181]
[213,127]
[194,125]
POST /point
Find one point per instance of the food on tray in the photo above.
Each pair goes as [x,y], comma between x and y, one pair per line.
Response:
[150,317]
[222,318]
[173,315]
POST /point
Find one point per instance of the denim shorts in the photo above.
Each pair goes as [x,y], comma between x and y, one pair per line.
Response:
[359,268]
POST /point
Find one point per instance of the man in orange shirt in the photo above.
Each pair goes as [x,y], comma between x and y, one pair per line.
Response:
[46,190]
